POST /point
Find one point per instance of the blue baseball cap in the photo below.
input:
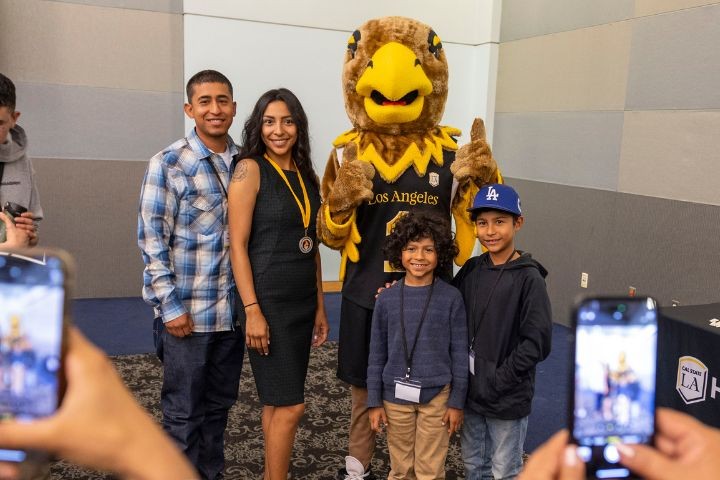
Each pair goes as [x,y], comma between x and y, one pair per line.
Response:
[497,196]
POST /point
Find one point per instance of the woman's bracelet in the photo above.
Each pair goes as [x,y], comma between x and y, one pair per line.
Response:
[250,305]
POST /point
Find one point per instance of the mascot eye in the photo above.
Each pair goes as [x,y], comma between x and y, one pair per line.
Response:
[434,44]
[353,43]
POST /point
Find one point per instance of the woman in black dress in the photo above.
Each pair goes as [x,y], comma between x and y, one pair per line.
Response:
[273,201]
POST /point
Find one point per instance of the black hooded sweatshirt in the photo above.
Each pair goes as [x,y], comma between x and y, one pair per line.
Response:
[510,338]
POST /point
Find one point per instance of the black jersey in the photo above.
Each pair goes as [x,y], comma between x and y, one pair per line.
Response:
[375,219]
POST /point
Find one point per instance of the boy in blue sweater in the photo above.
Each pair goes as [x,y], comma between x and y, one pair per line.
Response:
[418,369]
[510,328]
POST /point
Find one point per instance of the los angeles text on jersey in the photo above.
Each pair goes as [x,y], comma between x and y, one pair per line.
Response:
[411,198]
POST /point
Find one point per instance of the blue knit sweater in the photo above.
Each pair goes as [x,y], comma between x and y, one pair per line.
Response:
[441,355]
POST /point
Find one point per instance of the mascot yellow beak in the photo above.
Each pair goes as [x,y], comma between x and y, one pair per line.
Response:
[394,85]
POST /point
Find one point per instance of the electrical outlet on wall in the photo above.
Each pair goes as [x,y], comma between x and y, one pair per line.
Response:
[583,280]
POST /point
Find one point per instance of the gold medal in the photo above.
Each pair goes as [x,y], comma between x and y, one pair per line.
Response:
[305,244]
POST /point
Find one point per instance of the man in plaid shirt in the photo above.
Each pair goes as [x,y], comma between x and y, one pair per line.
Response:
[183,235]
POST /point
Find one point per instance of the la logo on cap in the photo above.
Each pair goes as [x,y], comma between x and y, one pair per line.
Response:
[492,195]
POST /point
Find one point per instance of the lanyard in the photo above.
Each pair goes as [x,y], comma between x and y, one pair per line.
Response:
[409,356]
[476,325]
[304,212]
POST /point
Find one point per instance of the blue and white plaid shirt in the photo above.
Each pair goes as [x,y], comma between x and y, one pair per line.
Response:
[182,227]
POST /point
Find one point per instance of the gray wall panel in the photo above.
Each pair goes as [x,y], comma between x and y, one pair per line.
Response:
[65,121]
[671,154]
[659,246]
[167,6]
[91,211]
[530,18]
[674,61]
[578,148]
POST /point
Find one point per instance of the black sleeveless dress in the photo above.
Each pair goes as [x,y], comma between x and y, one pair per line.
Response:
[285,284]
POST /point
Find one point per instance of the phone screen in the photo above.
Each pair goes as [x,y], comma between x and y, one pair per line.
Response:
[614,394]
[32,299]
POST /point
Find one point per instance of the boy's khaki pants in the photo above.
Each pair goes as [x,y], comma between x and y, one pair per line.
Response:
[417,439]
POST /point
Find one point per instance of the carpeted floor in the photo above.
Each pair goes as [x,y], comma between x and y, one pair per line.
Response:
[321,439]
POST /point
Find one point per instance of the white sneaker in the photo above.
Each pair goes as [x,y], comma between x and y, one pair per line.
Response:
[354,469]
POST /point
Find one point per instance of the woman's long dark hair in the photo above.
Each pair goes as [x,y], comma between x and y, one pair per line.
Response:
[253,145]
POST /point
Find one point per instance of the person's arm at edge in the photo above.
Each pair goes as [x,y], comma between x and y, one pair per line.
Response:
[100,424]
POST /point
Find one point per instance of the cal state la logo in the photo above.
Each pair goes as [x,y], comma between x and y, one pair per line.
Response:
[434,179]
[692,378]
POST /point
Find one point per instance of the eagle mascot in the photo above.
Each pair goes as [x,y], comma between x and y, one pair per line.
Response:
[396,158]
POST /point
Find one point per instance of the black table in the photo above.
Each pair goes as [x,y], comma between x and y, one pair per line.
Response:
[689,361]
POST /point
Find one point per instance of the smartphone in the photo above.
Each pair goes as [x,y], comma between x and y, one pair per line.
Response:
[34,309]
[613,399]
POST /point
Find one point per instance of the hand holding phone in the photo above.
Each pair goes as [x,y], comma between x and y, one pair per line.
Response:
[33,308]
[99,424]
[686,448]
[613,399]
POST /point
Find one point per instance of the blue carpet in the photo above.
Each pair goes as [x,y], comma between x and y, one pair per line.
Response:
[123,326]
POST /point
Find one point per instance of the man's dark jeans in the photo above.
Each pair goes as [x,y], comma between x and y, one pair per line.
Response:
[200,384]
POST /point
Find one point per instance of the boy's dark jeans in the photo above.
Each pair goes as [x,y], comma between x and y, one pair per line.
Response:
[200,383]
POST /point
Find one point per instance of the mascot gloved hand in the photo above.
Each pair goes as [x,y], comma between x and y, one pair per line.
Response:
[353,186]
[474,161]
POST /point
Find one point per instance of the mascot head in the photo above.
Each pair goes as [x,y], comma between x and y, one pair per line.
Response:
[395,77]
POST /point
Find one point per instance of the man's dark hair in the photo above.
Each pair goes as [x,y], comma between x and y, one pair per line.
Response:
[7,92]
[415,226]
[206,76]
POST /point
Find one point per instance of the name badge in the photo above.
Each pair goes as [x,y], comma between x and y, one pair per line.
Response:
[471,362]
[408,390]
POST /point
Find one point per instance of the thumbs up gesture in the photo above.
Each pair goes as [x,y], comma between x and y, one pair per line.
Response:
[474,161]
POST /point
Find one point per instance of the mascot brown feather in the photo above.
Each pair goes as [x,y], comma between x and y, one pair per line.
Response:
[395,84]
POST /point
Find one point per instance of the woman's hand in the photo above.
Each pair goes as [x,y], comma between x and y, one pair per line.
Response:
[378,419]
[321,329]
[257,330]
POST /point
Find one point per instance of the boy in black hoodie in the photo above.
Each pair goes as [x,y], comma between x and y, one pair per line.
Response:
[509,330]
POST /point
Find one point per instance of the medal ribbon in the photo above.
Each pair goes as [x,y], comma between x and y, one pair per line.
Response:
[305,212]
